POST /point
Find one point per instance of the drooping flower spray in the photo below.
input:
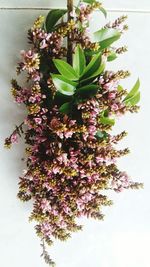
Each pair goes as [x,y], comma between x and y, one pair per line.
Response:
[72,104]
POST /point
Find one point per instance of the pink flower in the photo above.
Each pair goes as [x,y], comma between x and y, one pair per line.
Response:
[68,134]
[43,44]
[49,35]
[92,129]
[38,120]
[14,138]
[55,170]
[82,173]
[82,6]
[99,159]
[111,85]
[63,158]
[31,61]
[108,86]
[66,209]
[32,99]
[45,205]
[72,122]
[101,80]
[54,212]
[35,148]
[44,110]
[111,95]
[60,134]
[46,228]
[36,76]
[19,100]
[85,136]
[87,197]
[114,107]
[80,204]
[62,224]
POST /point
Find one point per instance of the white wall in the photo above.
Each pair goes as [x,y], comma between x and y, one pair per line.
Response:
[123,239]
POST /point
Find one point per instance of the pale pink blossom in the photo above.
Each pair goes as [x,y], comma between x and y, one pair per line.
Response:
[43,44]
[38,120]
[68,134]
[46,229]
[112,95]
[62,159]
[114,107]
[14,138]
[56,170]
[45,205]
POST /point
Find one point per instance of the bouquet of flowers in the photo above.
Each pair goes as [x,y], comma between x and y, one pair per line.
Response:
[72,103]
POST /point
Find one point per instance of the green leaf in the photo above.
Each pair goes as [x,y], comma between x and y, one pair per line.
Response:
[65,69]
[64,79]
[63,85]
[60,99]
[112,56]
[79,62]
[92,67]
[133,97]
[53,17]
[89,52]
[88,90]
[65,108]
[106,37]
[132,101]
[89,1]
[134,90]
[103,10]
[120,88]
[101,135]
[96,73]
[107,121]
[104,119]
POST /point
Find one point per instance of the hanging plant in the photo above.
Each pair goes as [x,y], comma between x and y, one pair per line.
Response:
[72,103]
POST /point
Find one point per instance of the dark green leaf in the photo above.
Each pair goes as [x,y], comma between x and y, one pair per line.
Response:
[63,85]
[96,73]
[79,61]
[53,17]
[101,135]
[88,90]
[60,99]
[65,108]
[65,69]
[105,37]
[92,67]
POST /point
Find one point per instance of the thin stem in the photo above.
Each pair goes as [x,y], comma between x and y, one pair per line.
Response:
[18,129]
[46,256]
[70,46]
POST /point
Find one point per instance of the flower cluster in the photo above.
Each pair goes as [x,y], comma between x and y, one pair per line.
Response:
[71,155]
